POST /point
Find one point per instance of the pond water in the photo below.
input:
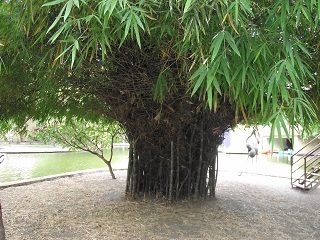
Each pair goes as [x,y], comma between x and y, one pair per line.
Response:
[31,165]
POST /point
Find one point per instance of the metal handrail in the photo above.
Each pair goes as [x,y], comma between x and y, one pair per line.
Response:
[305,156]
[306,145]
[305,174]
[311,151]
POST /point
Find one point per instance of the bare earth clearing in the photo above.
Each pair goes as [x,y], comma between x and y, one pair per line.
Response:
[92,206]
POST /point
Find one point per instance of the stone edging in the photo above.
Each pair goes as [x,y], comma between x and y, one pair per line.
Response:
[52,177]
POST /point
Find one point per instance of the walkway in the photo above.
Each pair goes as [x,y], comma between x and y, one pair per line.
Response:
[92,206]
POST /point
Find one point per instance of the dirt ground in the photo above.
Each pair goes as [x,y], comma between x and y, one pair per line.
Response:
[92,206]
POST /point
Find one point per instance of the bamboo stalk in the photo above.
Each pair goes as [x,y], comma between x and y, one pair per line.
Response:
[178,171]
[134,171]
[214,172]
[210,173]
[190,163]
[167,186]
[171,172]
[196,190]
[150,177]
[139,184]
[129,171]
[160,178]
[216,167]
[211,182]
[203,180]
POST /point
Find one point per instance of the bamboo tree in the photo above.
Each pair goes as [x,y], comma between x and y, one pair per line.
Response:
[160,68]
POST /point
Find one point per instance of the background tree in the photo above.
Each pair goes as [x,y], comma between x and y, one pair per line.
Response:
[176,74]
[96,138]
[2,230]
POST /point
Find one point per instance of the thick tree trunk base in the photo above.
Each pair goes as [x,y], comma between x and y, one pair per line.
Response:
[171,179]
[178,161]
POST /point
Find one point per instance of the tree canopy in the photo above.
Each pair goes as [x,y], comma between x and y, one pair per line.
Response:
[261,56]
[96,138]
[176,74]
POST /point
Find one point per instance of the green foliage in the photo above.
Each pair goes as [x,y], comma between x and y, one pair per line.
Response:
[96,137]
[260,56]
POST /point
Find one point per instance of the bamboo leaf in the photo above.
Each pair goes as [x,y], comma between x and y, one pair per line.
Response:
[232,24]
[76,2]
[151,18]
[199,80]
[53,3]
[216,44]
[138,21]
[56,35]
[112,7]
[103,48]
[246,5]
[278,126]
[231,42]
[76,43]
[271,139]
[73,54]
[209,95]
[303,49]
[283,18]
[57,19]
[128,25]
[306,13]
[274,99]
[258,53]
[136,30]
[236,13]
[187,29]
[284,126]
[244,75]
[226,71]
[270,85]
[66,50]
[279,72]
[216,85]
[68,9]
[198,72]
[283,90]
[161,88]
[187,6]
[125,16]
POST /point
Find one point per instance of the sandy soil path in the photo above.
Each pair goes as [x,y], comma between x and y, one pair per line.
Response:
[92,206]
